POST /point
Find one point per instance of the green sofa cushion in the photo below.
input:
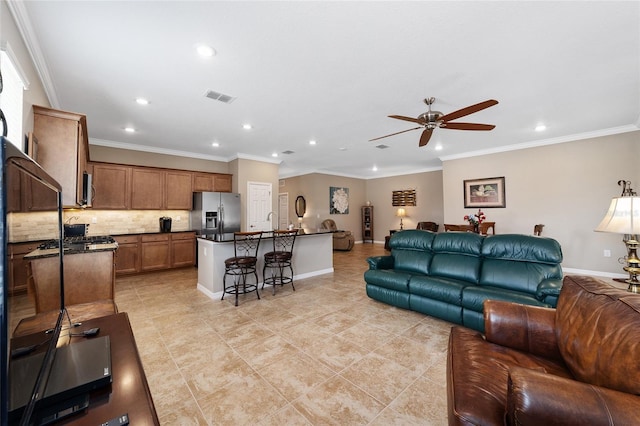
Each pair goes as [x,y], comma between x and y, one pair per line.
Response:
[388,278]
[473,297]
[445,289]
[411,250]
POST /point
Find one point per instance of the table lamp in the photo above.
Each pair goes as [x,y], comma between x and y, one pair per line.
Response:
[623,217]
[401,213]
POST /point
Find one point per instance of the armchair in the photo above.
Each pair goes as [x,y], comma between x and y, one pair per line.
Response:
[342,240]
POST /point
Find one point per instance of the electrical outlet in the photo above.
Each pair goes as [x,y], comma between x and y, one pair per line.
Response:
[607,253]
[178,218]
[94,220]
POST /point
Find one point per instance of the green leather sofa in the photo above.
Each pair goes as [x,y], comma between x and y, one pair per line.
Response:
[450,275]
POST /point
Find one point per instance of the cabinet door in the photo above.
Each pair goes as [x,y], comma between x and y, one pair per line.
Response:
[62,149]
[147,188]
[128,254]
[18,273]
[202,182]
[155,252]
[222,183]
[179,195]
[111,186]
[183,249]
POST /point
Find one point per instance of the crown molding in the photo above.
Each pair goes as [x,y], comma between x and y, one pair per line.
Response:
[21,18]
[544,142]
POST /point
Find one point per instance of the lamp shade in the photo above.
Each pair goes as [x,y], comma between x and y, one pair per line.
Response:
[623,216]
[401,213]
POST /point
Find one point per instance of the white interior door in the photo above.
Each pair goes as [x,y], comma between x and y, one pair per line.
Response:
[259,203]
[283,210]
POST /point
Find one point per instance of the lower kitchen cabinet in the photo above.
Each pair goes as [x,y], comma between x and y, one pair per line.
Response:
[127,254]
[154,252]
[18,273]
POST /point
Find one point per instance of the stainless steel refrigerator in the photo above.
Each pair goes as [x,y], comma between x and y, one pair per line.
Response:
[216,214]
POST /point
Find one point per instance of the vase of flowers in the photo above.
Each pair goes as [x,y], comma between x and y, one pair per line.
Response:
[475,219]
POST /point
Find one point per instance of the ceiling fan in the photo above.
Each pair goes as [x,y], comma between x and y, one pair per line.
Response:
[433,119]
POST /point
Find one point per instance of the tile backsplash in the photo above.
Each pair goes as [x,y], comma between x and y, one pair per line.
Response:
[42,226]
[118,222]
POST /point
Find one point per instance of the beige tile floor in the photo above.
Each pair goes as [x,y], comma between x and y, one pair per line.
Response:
[324,354]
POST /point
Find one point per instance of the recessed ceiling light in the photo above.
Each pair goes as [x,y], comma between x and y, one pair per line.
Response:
[540,127]
[438,147]
[129,129]
[142,101]
[343,149]
[215,144]
[247,126]
[375,168]
[205,51]
[275,154]
[312,142]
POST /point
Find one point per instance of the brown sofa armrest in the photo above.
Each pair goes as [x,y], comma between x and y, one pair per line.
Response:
[536,398]
[522,327]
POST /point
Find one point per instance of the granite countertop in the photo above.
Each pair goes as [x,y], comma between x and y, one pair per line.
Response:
[71,249]
[266,234]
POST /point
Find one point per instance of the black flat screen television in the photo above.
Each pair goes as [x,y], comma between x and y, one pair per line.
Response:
[40,382]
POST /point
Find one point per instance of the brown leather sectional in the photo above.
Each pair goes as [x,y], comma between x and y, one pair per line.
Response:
[573,365]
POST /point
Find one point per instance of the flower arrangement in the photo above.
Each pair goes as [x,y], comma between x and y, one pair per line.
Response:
[475,219]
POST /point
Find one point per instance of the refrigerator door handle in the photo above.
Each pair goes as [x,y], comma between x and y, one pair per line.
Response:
[221,220]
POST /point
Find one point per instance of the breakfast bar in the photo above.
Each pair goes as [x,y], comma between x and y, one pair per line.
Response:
[312,255]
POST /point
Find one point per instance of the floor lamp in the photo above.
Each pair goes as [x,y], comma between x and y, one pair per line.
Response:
[623,217]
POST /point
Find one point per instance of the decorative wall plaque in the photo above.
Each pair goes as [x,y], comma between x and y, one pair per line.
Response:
[405,197]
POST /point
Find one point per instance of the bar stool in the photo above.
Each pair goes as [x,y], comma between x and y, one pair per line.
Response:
[279,259]
[243,263]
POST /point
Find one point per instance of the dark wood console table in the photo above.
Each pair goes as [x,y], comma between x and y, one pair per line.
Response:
[129,392]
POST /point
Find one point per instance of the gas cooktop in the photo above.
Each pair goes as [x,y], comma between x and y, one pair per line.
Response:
[68,241]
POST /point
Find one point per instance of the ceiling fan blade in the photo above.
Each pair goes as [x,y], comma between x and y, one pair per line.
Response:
[426,135]
[411,119]
[468,126]
[468,110]
[393,134]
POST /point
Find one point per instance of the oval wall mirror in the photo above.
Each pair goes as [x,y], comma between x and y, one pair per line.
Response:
[301,206]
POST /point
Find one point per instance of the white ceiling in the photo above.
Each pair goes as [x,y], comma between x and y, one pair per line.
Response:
[333,71]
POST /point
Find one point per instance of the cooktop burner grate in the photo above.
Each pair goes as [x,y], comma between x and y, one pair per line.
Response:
[95,239]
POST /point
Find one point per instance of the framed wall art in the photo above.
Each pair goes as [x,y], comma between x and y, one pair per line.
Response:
[484,193]
[338,200]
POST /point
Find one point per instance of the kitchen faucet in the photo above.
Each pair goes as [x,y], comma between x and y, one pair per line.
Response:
[68,221]
[274,214]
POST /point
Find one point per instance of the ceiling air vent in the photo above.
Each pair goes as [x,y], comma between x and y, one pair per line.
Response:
[288,152]
[217,96]
[382,146]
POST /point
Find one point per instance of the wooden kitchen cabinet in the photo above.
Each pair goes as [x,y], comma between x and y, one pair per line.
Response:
[155,252]
[183,249]
[111,186]
[63,149]
[18,273]
[222,183]
[178,190]
[211,182]
[128,254]
[147,188]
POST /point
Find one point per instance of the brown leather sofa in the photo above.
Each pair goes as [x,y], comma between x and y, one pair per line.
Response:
[573,365]
[342,240]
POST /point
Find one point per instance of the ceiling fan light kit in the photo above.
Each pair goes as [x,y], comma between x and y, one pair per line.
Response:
[431,120]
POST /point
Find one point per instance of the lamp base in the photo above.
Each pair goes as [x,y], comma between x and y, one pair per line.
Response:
[633,266]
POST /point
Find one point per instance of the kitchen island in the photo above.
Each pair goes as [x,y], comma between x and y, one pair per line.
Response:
[312,255]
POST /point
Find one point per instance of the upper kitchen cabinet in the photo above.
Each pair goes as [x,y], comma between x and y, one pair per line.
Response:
[63,149]
[211,182]
[147,188]
[111,186]
[178,190]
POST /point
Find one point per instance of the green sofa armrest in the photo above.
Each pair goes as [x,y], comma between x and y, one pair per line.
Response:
[380,262]
[549,287]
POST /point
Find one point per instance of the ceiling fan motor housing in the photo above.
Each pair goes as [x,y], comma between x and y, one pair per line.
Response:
[431,118]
